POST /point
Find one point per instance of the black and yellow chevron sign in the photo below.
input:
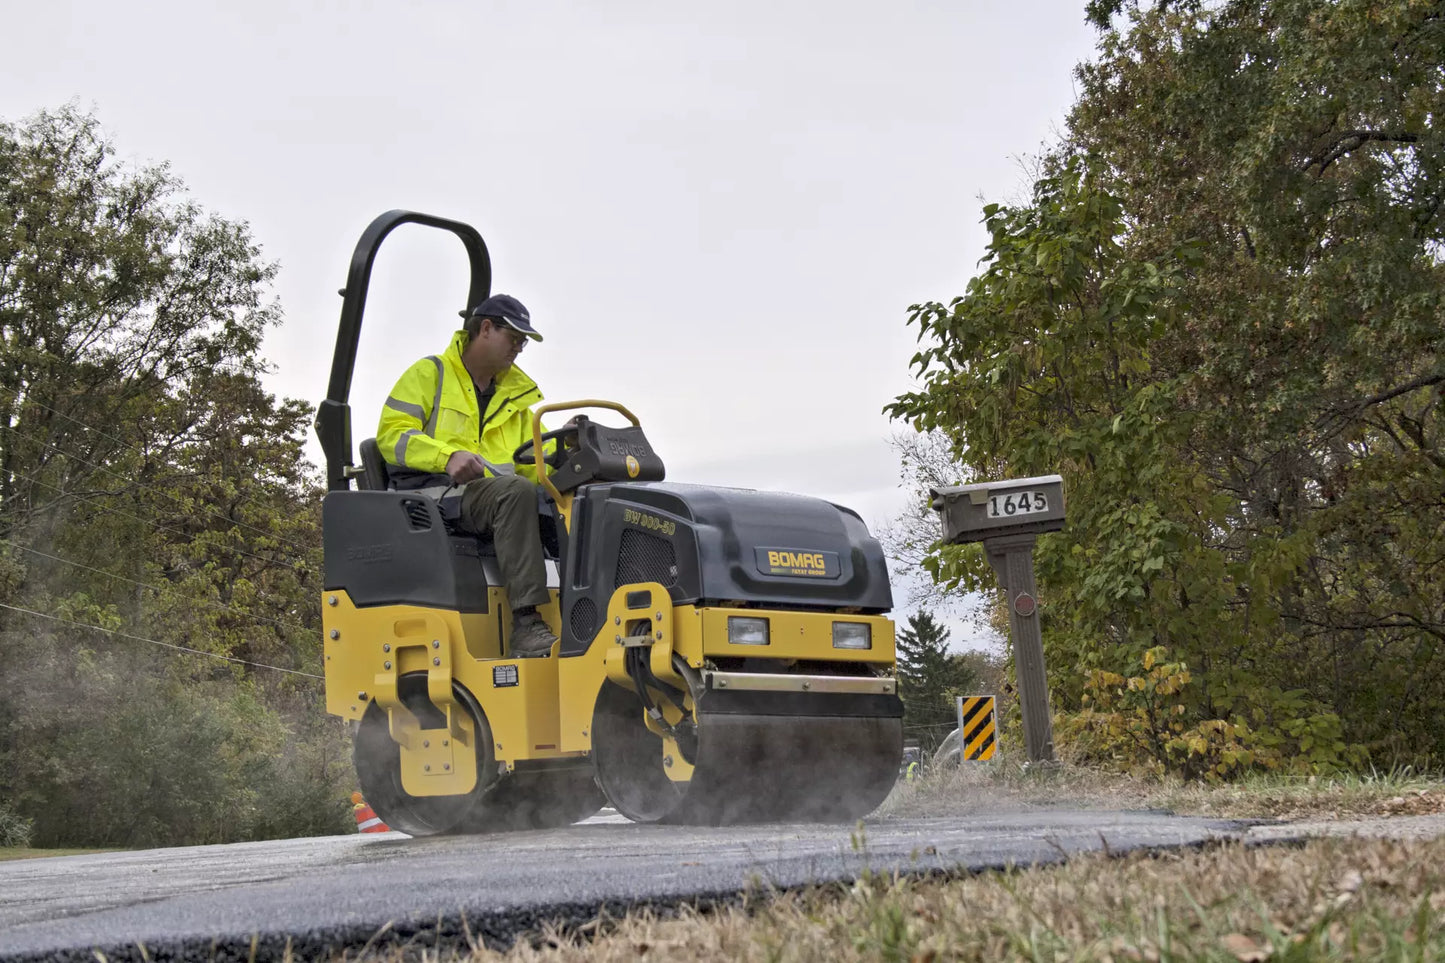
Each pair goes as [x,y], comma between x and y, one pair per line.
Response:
[976,726]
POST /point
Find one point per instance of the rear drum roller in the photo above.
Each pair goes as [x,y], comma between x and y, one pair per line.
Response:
[547,799]
[542,799]
[377,758]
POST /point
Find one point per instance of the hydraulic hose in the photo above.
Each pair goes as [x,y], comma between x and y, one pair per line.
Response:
[684,733]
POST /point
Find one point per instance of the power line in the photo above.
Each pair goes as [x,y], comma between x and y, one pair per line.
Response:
[150,488]
[281,623]
[16,395]
[929,728]
[936,711]
[915,701]
[156,525]
[168,645]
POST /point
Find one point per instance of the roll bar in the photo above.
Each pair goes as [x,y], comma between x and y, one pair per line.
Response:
[333,416]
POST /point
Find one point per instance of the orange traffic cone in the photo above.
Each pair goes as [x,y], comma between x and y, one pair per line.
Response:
[367,821]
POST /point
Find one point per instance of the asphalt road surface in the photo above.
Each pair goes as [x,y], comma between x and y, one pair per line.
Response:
[218,902]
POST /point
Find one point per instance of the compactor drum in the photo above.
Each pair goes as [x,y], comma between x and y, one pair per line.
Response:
[725,655]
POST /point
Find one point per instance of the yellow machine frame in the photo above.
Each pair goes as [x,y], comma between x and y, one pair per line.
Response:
[544,711]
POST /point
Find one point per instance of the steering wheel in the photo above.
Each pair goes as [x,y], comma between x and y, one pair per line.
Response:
[523,453]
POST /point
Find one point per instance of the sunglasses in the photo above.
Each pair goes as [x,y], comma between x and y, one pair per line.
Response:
[519,340]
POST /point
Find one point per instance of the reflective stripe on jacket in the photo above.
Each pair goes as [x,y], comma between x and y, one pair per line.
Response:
[432,412]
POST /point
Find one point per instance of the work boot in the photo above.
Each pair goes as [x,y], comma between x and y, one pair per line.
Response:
[531,638]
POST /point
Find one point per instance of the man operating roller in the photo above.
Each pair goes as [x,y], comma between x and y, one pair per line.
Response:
[454,420]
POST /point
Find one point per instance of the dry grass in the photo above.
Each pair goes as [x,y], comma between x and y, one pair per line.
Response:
[1006,784]
[1329,899]
[1332,899]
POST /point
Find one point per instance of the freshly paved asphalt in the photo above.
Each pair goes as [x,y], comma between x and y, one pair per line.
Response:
[218,902]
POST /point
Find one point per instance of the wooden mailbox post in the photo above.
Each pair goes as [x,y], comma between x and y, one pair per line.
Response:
[1008,517]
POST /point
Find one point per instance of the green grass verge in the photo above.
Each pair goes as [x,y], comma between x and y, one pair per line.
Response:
[29,852]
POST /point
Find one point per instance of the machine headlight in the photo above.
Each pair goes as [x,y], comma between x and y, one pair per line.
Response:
[852,635]
[747,631]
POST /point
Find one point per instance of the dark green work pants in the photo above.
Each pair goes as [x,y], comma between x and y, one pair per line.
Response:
[505,507]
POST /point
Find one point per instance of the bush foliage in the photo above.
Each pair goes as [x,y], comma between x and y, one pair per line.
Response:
[159,530]
[1219,317]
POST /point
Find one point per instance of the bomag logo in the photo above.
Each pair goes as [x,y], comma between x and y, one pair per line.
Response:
[790,561]
[622,447]
[808,560]
[369,554]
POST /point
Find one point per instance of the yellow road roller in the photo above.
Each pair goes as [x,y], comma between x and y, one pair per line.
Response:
[725,655]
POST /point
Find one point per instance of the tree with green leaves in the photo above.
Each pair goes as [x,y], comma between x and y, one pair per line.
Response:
[1219,317]
[158,522]
[930,676]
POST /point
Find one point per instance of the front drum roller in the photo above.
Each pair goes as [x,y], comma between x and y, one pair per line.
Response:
[498,803]
[779,763]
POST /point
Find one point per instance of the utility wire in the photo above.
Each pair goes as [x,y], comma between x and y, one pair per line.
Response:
[28,400]
[168,645]
[16,395]
[281,623]
[935,711]
[926,720]
[930,728]
[151,488]
[932,706]
[156,525]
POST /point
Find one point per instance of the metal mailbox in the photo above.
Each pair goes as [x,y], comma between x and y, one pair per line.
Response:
[1008,516]
[1018,506]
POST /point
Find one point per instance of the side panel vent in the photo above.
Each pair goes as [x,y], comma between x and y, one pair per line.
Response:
[583,619]
[417,515]
[645,558]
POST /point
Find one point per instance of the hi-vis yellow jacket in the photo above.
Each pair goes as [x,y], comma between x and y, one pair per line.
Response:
[432,412]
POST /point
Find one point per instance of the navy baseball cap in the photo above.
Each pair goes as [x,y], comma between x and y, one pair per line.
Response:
[509,311]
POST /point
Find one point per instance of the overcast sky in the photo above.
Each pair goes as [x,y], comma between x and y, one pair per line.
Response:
[718,214]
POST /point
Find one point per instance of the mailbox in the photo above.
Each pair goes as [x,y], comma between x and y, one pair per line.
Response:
[1008,516]
[1018,506]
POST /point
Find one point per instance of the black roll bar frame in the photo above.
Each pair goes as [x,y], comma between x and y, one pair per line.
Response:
[333,415]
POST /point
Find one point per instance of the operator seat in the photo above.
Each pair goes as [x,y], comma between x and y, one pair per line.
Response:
[376,477]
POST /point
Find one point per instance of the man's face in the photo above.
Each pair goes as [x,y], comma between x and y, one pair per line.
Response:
[496,346]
